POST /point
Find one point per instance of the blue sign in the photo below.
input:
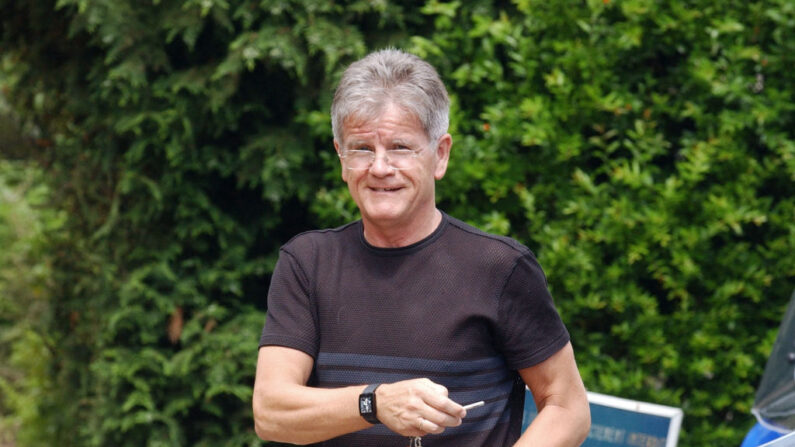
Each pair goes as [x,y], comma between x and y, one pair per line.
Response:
[623,422]
[784,441]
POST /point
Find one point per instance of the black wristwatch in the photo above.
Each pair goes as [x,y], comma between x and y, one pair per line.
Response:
[367,404]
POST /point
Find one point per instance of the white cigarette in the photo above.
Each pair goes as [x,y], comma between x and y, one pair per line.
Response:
[474,405]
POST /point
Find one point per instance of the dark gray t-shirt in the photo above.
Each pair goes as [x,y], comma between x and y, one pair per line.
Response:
[463,308]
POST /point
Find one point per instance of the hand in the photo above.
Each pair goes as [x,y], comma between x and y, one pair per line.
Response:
[417,407]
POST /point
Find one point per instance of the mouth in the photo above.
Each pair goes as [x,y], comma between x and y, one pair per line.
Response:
[386,189]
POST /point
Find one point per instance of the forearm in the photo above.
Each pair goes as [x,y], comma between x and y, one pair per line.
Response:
[287,410]
[557,426]
[299,414]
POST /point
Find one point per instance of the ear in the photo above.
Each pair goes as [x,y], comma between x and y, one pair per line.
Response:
[442,155]
[337,149]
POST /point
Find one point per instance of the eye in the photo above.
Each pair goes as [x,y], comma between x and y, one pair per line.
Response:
[360,153]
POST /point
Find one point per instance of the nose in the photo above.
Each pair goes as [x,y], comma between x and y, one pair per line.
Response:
[381,165]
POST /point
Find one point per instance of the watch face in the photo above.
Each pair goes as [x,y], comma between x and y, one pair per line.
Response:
[366,404]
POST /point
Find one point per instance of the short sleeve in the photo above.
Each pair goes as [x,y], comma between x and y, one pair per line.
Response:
[530,329]
[291,319]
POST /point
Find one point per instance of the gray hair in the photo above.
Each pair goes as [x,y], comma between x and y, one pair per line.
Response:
[391,76]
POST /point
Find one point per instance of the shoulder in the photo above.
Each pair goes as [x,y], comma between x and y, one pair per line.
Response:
[315,241]
[487,242]
[489,254]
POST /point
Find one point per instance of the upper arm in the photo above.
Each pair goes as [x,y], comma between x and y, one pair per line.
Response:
[281,365]
[556,381]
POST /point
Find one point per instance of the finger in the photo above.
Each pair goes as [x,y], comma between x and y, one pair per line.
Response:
[426,426]
[441,419]
[437,388]
[446,407]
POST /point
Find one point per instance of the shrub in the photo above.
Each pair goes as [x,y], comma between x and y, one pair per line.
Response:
[644,150]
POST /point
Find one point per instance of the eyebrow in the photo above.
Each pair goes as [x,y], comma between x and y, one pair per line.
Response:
[401,142]
[356,143]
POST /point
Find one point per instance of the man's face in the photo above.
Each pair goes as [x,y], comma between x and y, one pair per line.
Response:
[387,197]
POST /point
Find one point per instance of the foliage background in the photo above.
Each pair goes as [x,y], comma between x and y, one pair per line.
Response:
[644,150]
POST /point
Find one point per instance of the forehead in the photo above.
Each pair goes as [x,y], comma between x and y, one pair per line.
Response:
[391,122]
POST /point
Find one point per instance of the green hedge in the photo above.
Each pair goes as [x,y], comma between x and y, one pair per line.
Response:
[25,271]
[644,150]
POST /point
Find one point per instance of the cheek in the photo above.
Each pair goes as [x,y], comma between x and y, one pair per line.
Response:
[348,176]
[352,179]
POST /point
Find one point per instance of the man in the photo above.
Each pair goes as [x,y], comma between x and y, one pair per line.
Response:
[437,312]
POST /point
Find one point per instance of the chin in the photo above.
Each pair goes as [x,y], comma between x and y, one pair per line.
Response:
[377,216]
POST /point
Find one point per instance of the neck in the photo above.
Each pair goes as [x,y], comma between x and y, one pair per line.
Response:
[400,234]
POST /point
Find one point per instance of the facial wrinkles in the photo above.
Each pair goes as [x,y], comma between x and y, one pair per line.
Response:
[387,128]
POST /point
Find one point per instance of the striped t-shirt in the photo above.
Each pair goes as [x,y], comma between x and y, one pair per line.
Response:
[463,308]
